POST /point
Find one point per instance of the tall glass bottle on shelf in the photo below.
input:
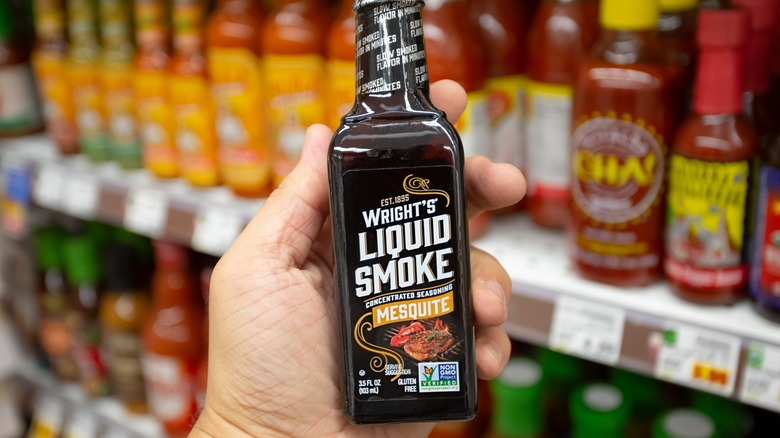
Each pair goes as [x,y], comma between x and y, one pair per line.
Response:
[395,152]
[599,410]
[233,41]
[621,123]
[518,411]
[193,108]
[341,65]
[561,34]
[294,39]
[151,84]
[51,69]
[677,32]
[709,171]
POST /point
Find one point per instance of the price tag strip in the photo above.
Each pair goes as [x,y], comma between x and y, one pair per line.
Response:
[47,189]
[589,330]
[698,358]
[80,196]
[216,229]
[146,212]
[761,376]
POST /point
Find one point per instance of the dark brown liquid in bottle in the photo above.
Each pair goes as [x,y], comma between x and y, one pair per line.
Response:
[400,234]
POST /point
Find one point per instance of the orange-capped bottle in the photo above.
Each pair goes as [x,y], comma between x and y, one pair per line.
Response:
[294,40]
[190,95]
[233,41]
[151,83]
[341,65]
[173,346]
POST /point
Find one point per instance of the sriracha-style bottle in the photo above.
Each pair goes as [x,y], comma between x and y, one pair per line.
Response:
[233,41]
[709,171]
[294,39]
[150,84]
[400,234]
[561,34]
[193,107]
[620,120]
[341,65]
[50,62]
[173,345]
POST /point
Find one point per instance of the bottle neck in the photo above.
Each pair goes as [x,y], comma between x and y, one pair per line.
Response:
[390,56]
[719,82]
[187,22]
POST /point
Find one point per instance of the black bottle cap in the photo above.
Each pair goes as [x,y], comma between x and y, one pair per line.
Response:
[124,270]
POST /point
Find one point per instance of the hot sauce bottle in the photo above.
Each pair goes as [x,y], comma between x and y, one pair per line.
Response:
[618,163]
[765,266]
[400,234]
[233,40]
[709,171]
[51,69]
[677,32]
[84,79]
[341,65]
[173,345]
[293,40]
[190,96]
[151,84]
[117,83]
[561,34]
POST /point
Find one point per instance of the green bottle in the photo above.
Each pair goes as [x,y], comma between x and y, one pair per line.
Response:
[517,400]
[729,416]
[599,410]
[646,398]
[685,423]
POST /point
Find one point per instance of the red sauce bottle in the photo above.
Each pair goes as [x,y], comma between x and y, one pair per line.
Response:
[561,34]
[620,122]
[709,172]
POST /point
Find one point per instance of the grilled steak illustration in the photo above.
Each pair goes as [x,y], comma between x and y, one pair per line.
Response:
[429,344]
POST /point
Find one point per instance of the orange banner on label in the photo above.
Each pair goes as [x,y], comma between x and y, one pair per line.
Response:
[413,310]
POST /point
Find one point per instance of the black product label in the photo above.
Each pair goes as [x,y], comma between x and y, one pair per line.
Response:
[405,268]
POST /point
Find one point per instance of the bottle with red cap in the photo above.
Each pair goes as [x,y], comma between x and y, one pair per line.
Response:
[709,172]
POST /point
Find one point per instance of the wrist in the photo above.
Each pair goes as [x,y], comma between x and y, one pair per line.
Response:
[211,424]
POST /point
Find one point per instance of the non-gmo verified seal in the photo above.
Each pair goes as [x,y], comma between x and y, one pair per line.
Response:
[438,377]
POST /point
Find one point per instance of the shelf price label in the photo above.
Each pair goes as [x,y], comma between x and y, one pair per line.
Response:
[80,196]
[698,358]
[146,212]
[589,330]
[761,376]
[215,230]
[47,188]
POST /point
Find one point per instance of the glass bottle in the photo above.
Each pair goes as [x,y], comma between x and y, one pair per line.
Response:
[685,423]
[677,32]
[599,409]
[395,152]
[517,401]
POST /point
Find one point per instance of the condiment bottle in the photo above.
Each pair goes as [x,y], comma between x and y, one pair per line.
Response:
[599,410]
[233,41]
[620,123]
[709,171]
[294,39]
[677,32]
[56,334]
[396,164]
[84,78]
[172,346]
[151,84]
[123,311]
[684,423]
[117,82]
[561,34]
[765,264]
[51,70]
[517,401]
[341,65]
[82,266]
[502,27]
[190,97]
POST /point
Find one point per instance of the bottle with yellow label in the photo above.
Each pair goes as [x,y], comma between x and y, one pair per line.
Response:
[233,41]
[191,99]
[84,78]
[150,84]
[293,46]
[341,65]
[117,83]
[50,63]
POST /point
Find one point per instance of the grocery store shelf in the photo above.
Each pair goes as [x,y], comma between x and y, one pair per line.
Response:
[632,328]
[206,219]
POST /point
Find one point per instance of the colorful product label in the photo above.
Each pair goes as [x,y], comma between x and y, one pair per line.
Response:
[124,363]
[765,270]
[341,90]
[549,127]
[18,105]
[51,70]
[124,140]
[90,118]
[170,386]
[294,90]
[507,118]
[195,137]
[236,84]
[706,222]
[155,120]
[149,20]
[618,173]
[93,373]
[474,125]
[187,22]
